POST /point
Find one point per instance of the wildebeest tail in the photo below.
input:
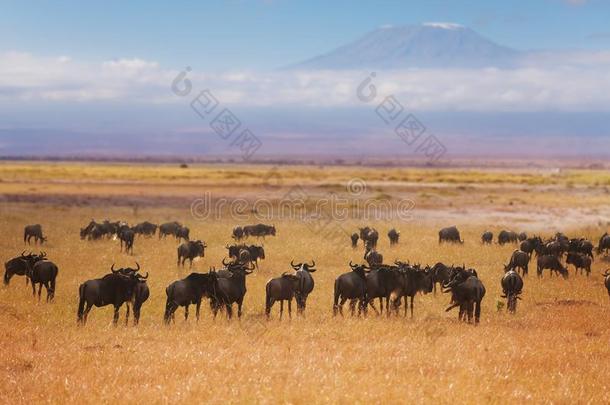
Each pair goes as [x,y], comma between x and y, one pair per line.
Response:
[337,293]
[81,301]
[267,299]
[169,291]
[53,277]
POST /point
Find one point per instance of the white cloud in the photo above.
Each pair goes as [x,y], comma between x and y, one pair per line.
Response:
[577,81]
[444,25]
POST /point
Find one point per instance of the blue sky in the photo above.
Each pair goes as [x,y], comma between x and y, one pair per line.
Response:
[269,34]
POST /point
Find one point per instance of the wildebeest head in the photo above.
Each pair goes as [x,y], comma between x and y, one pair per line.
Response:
[359,269]
[272,230]
[304,266]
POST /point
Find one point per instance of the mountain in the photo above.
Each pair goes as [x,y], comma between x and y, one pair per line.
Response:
[429,45]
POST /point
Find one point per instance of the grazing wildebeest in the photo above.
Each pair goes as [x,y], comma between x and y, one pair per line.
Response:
[467,292]
[373,258]
[190,290]
[145,228]
[580,261]
[183,233]
[440,274]
[449,234]
[552,263]
[190,250]
[507,237]
[351,286]
[113,289]
[18,266]
[512,285]
[306,283]
[43,272]
[238,233]
[354,238]
[281,289]
[606,275]
[169,228]
[604,244]
[393,235]
[553,248]
[232,289]
[522,236]
[259,230]
[91,232]
[518,260]
[126,236]
[33,231]
[415,280]
[141,292]
[487,238]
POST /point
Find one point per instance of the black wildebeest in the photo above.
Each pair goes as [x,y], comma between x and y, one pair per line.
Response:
[18,266]
[190,250]
[518,260]
[141,292]
[281,289]
[507,237]
[604,244]
[113,289]
[393,235]
[145,228]
[169,228]
[606,275]
[415,280]
[440,274]
[512,286]
[351,286]
[259,230]
[580,261]
[306,284]
[238,233]
[449,234]
[373,258]
[126,236]
[354,238]
[552,263]
[232,289]
[190,290]
[43,272]
[33,231]
[467,292]
[381,281]
[487,238]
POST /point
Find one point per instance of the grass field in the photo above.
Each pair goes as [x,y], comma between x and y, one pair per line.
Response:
[556,349]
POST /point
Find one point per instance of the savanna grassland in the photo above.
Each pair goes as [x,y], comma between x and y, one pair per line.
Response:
[556,348]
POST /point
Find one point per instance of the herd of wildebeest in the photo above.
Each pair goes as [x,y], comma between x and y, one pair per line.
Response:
[361,285]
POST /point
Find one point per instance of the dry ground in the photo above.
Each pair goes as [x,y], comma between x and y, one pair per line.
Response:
[555,349]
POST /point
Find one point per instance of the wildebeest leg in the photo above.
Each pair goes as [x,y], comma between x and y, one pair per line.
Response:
[197,307]
[290,308]
[352,306]
[127,315]
[239,304]
[341,303]
[49,292]
[86,314]
[39,290]
[229,309]
[115,318]
[412,297]
[381,305]
[372,304]
[33,287]
[191,262]
[186,312]
[136,315]
[281,308]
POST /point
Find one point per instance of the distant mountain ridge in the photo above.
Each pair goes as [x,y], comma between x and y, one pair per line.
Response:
[428,45]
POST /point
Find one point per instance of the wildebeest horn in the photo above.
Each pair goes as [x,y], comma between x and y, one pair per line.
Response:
[22,254]
[313,263]
[223,262]
[284,273]
[294,266]
[351,265]
[606,273]
[112,268]
[138,267]
[141,277]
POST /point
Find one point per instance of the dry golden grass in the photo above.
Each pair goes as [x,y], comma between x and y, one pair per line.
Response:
[555,349]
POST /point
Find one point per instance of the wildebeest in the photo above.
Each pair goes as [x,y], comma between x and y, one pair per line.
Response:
[141,292]
[354,238]
[440,274]
[381,281]
[232,289]
[522,236]
[281,289]
[604,244]
[530,244]
[415,280]
[518,260]
[43,272]
[393,235]
[259,230]
[449,234]
[351,286]
[606,275]
[467,292]
[183,233]
[145,228]
[33,231]
[238,233]
[552,263]
[91,232]
[373,258]
[582,246]
[306,283]
[507,237]
[190,250]
[126,236]
[487,237]
[512,286]
[369,236]
[19,266]
[113,289]
[190,290]
[256,253]
[169,228]
[580,261]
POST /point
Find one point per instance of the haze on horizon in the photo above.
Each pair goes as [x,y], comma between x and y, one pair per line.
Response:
[484,79]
